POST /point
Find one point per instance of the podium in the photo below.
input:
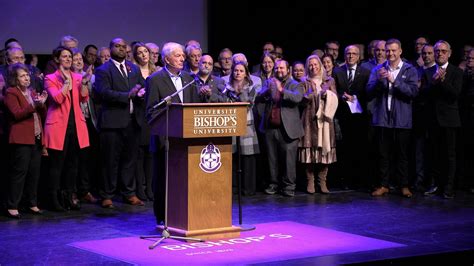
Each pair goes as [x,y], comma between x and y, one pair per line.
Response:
[200,167]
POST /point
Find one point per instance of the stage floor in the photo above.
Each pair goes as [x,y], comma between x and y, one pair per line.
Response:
[423,229]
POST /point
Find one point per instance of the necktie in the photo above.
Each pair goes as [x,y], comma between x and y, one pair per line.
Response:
[122,69]
[124,75]
[350,78]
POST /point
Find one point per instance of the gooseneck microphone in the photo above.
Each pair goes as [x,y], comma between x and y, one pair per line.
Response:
[230,93]
[168,98]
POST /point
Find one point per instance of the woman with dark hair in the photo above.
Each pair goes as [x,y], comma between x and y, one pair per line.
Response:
[25,111]
[143,173]
[328,63]
[267,63]
[65,128]
[241,89]
[298,71]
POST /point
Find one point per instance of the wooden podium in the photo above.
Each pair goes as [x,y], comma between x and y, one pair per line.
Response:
[200,167]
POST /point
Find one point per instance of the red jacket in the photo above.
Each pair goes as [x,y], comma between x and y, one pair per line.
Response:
[21,121]
[59,106]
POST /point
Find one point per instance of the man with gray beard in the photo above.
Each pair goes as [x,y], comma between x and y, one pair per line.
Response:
[210,86]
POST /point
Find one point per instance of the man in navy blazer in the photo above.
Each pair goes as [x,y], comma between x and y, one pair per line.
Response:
[119,85]
[442,86]
[158,86]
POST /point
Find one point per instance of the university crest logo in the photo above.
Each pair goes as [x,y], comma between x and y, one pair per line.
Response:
[210,159]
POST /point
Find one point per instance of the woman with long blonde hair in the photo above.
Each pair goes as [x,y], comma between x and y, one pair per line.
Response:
[318,145]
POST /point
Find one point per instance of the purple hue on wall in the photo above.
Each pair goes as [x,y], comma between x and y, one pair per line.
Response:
[39,25]
[269,242]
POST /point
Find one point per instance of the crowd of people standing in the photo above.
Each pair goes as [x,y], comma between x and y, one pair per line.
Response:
[80,126]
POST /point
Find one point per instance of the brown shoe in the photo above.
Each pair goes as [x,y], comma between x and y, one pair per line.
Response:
[89,198]
[380,192]
[406,192]
[108,204]
[133,200]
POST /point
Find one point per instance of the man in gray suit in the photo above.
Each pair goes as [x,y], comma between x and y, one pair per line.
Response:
[158,86]
[282,127]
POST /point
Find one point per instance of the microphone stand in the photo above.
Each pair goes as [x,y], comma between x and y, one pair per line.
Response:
[167,101]
[243,227]
[165,234]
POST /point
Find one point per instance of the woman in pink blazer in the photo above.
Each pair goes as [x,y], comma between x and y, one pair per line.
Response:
[65,128]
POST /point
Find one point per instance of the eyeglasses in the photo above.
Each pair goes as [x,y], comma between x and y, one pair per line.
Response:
[420,43]
[18,58]
[441,51]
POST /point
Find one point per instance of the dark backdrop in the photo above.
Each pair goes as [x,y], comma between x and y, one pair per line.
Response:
[302,26]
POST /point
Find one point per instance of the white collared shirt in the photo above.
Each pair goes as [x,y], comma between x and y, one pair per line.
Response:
[178,84]
[117,64]
[394,73]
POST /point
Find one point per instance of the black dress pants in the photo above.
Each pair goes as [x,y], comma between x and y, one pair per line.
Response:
[25,162]
[393,149]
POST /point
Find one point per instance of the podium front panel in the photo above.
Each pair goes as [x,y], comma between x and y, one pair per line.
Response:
[202,120]
[208,121]
[201,196]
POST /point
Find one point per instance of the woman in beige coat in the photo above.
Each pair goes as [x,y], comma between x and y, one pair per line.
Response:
[318,145]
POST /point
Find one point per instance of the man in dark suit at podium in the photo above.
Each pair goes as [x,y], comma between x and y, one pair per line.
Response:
[158,86]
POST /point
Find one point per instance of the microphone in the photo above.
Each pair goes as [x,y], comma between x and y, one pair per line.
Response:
[225,89]
[197,80]
[230,93]
[174,66]
[221,88]
[168,98]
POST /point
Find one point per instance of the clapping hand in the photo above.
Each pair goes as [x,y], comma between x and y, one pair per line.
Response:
[440,74]
[382,74]
[205,90]
[134,91]
[41,98]
[67,80]
[87,77]
[278,84]
[348,97]
[141,92]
